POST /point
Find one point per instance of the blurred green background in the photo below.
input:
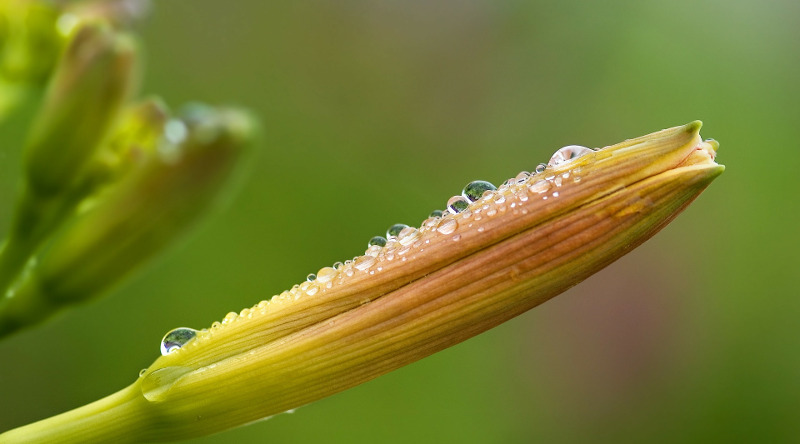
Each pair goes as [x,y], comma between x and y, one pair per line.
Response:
[376,112]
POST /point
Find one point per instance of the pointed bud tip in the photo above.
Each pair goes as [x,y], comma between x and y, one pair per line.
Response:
[694,127]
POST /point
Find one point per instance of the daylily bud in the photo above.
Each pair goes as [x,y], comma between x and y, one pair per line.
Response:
[489,259]
[135,219]
[29,41]
[91,82]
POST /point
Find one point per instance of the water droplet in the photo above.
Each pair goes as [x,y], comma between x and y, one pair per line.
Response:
[539,187]
[436,213]
[568,153]
[326,274]
[364,262]
[540,168]
[555,194]
[475,189]
[499,199]
[230,317]
[311,277]
[457,204]
[377,240]
[407,236]
[395,229]
[312,290]
[430,222]
[557,181]
[522,177]
[447,226]
[338,265]
[176,339]
[457,237]
[142,372]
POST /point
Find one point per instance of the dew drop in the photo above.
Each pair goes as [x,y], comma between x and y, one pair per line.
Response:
[447,226]
[311,277]
[407,236]
[457,204]
[430,222]
[176,339]
[457,237]
[312,290]
[394,230]
[436,213]
[142,372]
[364,262]
[568,153]
[499,199]
[539,187]
[230,317]
[540,168]
[326,274]
[377,240]
[522,177]
[338,265]
[555,194]
[475,189]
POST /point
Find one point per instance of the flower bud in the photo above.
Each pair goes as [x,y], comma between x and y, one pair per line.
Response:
[167,190]
[459,274]
[91,82]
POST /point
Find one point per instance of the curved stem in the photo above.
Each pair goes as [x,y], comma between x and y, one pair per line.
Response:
[118,418]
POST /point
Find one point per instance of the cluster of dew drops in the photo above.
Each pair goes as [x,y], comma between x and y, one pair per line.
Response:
[400,238]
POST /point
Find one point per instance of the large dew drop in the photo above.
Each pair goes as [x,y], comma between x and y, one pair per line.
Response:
[475,189]
[567,154]
[176,339]
[377,240]
[395,230]
[457,204]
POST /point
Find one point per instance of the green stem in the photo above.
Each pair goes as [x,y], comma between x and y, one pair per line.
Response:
[119,418]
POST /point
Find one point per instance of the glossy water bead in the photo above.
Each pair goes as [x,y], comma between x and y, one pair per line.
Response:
[176,339]
[567,153]
[475,189]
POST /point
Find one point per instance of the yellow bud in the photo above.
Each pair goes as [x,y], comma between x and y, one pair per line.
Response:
[91,82]
[427,289]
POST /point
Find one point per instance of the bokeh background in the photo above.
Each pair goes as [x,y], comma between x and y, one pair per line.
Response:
[376,112]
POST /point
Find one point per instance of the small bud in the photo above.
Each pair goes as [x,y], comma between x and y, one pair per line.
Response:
[29,41]
[133,220]
[91,82]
